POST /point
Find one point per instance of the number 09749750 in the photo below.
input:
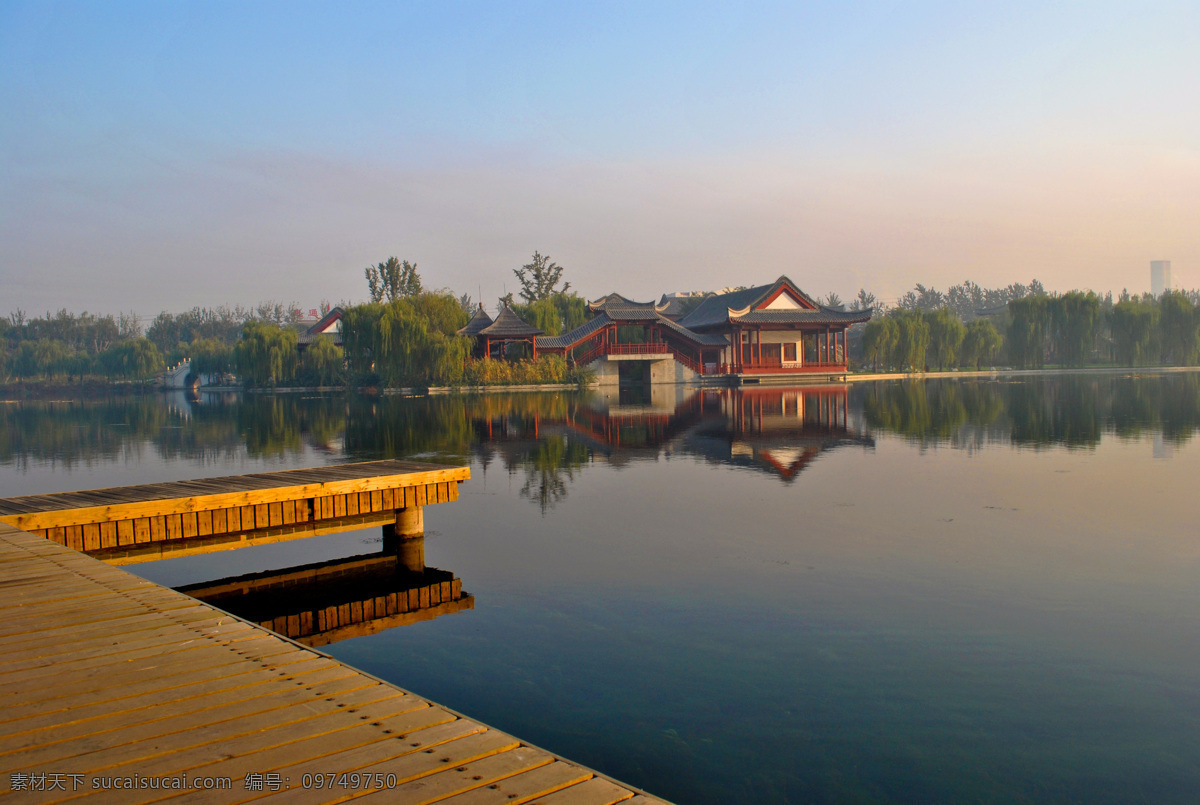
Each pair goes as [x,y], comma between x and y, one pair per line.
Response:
[348,780]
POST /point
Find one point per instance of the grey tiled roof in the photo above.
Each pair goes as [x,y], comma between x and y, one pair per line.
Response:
[311,338]
[620,308]
[575,336]
[567,340]
[479,320]
[509,325]
[715,309]
[822,315]
[703,339]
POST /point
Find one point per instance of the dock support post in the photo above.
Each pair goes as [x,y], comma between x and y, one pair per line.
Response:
[406,538]
[410,522]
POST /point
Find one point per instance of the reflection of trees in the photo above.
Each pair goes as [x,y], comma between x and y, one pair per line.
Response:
[1072,410]
[549,466]
[400,427]
[925,412]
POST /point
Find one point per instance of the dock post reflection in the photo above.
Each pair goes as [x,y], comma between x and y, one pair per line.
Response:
[405,539]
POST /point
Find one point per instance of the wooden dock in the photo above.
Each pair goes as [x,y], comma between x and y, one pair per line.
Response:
[116,689]
[156,521]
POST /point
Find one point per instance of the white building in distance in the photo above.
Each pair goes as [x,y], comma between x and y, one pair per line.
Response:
[1160,276]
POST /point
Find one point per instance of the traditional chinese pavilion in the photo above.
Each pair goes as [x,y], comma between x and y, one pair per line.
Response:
[492,337]
[749,334]
[775,329]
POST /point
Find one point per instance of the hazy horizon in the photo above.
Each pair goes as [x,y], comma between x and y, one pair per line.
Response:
[161,156]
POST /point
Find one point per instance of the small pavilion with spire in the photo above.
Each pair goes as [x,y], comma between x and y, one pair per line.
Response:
[492,336]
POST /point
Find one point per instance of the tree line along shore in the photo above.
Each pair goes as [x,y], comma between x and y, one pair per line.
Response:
[406,336]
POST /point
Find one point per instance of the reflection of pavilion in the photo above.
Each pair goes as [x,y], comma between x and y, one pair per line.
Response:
[777,429]
[323,603]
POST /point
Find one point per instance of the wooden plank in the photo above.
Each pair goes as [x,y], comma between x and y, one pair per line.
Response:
[339,505]
[171,719]
[274,514]
[204,523]
[174,526]
[596,791]
[464,776]
[235,753]
[191,524]
[91,536]
[522,787]
[289,511]
[387,757]
[108,535]
[158,527]
[74,537]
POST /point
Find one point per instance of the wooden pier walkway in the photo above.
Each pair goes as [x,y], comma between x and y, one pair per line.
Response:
[154,521]
[119,690]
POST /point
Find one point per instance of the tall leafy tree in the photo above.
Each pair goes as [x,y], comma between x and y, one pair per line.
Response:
[879,340]
[912,339]
[266,355]
[1134,326]
[946,333]
[1027,331]
[1178,324]
[393,279]
[322,362]
[539,279]
[404,343]
[867,301]
[980,343]
[1074,316]
[132,358]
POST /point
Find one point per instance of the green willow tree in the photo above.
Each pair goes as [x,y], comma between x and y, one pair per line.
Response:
[266,355]
[1027,331]
[407,341]
[879,340]
[912,339]
[1074,317]
[131,359]
[946,333]
[1178,323]
[323,363]
[1134,326]
[981,342]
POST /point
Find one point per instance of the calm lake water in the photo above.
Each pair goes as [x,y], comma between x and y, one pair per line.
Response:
[938,591]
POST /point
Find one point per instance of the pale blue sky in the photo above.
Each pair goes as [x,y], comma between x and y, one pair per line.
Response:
[158,155]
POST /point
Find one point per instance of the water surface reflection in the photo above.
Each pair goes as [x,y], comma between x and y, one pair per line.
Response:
[936,591]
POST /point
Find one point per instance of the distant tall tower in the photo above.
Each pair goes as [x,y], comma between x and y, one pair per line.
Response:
[1160,276]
